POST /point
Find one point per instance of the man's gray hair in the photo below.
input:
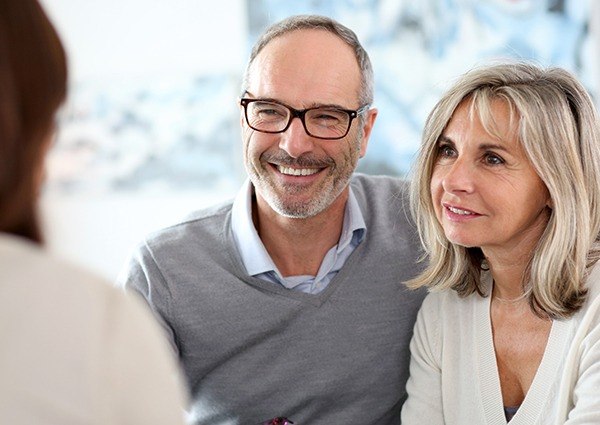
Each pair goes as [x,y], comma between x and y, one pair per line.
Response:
[303,22]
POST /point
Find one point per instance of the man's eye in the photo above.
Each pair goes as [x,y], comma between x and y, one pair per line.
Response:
[268,111]
[327,117]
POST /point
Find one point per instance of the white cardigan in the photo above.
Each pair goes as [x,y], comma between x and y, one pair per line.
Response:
[454,378]
[75,350]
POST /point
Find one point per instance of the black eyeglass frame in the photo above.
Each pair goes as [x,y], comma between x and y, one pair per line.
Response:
[301,113]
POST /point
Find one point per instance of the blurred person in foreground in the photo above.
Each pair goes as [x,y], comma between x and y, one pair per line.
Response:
[506,194]
[73,349]
[288,302]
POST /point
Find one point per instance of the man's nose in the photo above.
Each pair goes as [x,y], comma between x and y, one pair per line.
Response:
[295,141]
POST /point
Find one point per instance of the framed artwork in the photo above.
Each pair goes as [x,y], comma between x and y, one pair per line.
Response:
[182,132]
[419,47]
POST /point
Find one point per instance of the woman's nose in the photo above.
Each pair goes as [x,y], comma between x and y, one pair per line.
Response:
[459,176]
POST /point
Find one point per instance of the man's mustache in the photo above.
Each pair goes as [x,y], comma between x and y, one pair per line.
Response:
[305,160]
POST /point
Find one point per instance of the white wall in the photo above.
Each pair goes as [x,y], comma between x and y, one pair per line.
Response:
[120,40]
[99,232]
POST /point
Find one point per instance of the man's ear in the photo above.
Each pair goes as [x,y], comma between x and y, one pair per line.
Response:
[369,121]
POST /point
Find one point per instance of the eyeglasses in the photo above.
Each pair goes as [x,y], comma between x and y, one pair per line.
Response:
[323,122]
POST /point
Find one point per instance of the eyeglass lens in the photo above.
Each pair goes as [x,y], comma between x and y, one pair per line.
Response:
[319,122]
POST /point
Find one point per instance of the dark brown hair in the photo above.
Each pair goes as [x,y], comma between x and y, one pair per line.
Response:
[33,84]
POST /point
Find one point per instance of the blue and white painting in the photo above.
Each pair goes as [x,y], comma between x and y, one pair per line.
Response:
[182,132]
[419,47]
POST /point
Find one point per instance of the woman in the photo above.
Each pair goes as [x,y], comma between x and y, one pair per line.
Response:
[506,196]
[73,349]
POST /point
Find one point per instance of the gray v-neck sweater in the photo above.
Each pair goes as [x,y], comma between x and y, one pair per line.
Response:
[253,350]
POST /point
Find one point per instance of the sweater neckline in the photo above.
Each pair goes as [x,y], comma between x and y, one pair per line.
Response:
[316,300]
[489,379]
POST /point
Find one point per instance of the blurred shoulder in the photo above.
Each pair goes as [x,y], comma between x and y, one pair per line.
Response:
[75,335]
[48,292]
[43,294]
[28,267]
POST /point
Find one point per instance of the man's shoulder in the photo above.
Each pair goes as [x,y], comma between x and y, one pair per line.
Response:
[198,225]
[378,186]
[214,212]
[384,198]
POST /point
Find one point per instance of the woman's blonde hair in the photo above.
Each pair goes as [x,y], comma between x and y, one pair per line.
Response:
[559,131]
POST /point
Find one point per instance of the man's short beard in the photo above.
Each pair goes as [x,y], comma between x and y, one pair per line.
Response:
[322,199]
[301,209]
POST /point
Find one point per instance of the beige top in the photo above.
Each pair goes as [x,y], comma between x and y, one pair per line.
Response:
[75,350]
[454,377]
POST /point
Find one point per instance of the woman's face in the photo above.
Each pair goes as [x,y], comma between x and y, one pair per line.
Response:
[484,189]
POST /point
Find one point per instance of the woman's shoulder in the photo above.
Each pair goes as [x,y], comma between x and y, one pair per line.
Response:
[449,315]
[449,300]
[74,333]
[593,282]
[31,268]
[588,317]
[38,284]
[41,295]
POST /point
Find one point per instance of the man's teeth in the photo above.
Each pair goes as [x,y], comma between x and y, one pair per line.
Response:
[297,171]
[458,211]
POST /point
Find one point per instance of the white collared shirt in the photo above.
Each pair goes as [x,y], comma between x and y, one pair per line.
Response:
[258,262]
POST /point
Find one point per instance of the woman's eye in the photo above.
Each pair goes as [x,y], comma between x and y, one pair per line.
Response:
[446,151]
[493,159]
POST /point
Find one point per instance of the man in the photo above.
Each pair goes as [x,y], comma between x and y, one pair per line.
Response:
[289,303]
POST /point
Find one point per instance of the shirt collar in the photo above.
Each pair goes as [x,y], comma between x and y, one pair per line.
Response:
[354,223]
[254,255]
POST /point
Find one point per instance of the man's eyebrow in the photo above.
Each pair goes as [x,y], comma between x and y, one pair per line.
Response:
[267,99]
[328,106]
[308,106]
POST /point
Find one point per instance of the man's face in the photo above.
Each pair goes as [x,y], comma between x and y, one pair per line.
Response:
[295,174]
